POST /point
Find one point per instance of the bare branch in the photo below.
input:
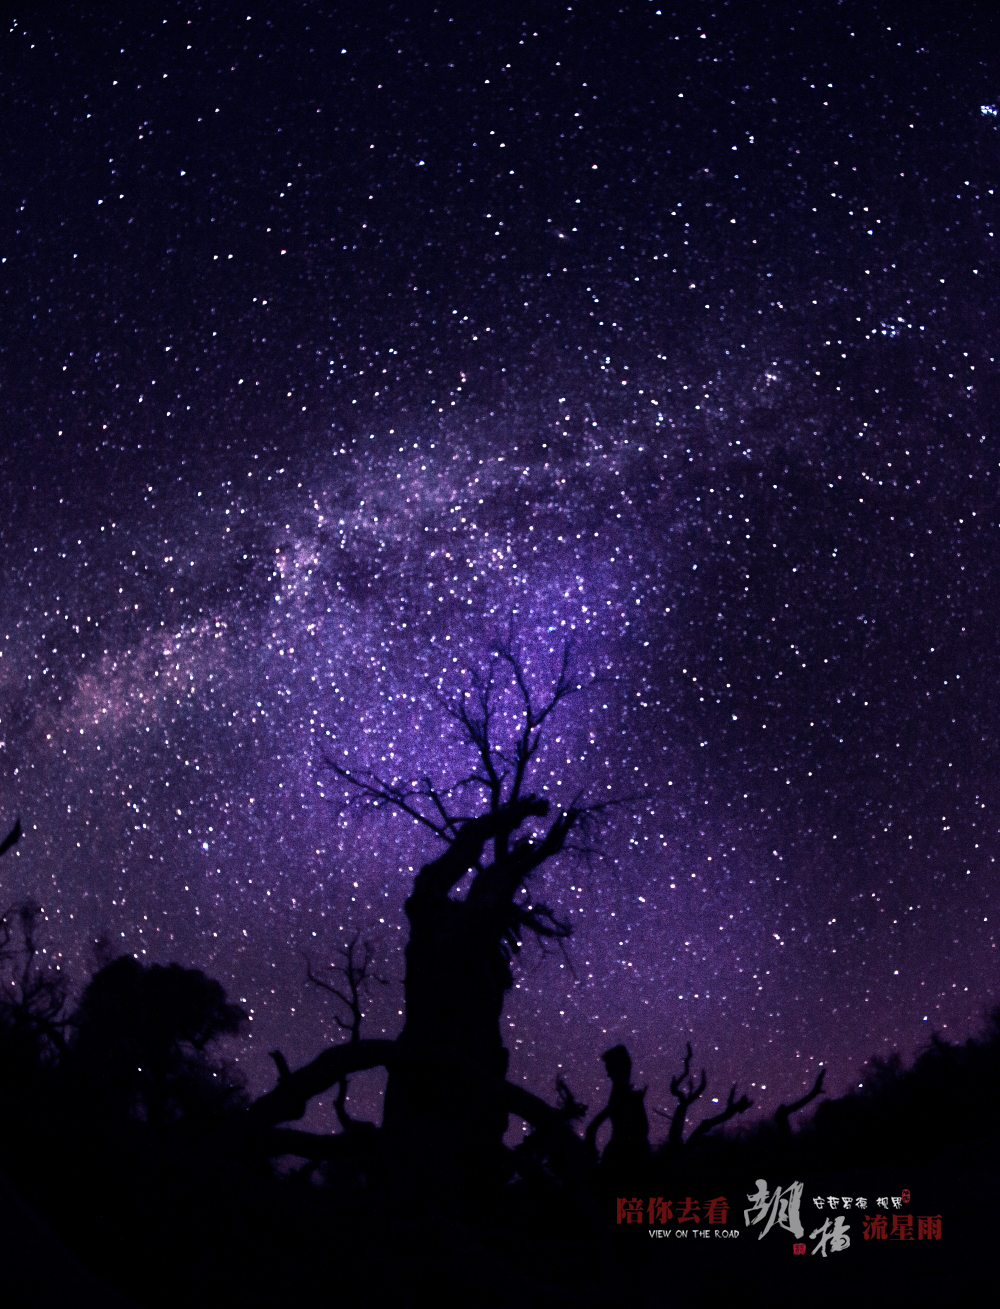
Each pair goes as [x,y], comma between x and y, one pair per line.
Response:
[502,769]
[328,986]
[732,1109]
[472,779]
[378,790]
[356,973]
[281,1063]
[569,1106]
[33,999]
[12,837]
[541,920]
[784,1111]
[685,1091]
[289,1099]
[431,793]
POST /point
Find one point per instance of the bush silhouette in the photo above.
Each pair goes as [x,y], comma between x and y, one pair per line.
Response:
[140,1039]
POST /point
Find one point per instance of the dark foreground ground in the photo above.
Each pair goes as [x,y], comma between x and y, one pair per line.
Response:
[525,1254]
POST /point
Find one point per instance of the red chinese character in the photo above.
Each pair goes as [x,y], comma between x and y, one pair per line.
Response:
[905,1197]
[691,1211]
[873,1227]
[659,1211]
[902,1227]
[929,1228]
[629,1211]
[799,1247]
[717,1210]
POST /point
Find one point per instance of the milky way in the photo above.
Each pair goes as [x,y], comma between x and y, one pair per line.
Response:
[336,347]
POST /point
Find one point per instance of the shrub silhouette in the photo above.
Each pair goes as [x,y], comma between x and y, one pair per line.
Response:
[944,1099]
[140,1038]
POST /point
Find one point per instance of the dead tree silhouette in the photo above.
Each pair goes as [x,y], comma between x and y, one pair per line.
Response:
[32,998]
[531,1157]
[686,1091]
[33,1021]
[12,837]
[784,1111]
[447,1101]
[628,1148]
[357,971]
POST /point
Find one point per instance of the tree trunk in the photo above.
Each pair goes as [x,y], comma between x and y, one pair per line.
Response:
[447,1126]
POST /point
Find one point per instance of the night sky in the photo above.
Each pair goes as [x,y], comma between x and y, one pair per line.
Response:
[337,340]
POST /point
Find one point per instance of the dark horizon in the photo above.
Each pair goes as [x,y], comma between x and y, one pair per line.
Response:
[131,1146]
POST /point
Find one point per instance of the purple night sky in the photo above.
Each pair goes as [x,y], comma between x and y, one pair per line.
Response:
[336,338]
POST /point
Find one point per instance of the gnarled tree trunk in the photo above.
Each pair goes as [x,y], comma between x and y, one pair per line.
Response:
[437,1119]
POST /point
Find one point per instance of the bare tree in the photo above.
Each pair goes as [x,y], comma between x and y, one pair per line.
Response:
[504,742]
[628,1147]
[732,1108]
[686,1091]
[357,971]
[32,995]
[33,998]
[784,1111]
[444,1097]
[532,1156]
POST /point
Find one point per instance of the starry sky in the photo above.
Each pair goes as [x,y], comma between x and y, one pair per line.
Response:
[340,340]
